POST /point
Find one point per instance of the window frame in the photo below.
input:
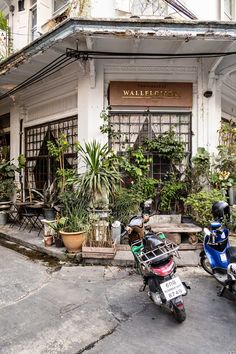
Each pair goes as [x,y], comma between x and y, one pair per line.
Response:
[60,8]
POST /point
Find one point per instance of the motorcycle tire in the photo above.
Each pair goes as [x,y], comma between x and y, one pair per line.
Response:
[205,264]
[179,314]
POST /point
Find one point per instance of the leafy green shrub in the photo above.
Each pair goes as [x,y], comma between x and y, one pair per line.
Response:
[199,205]
[125,205]
[145,188]
[171,191]
[167,146]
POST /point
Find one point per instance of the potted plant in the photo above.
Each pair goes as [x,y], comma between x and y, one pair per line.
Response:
[7,184]
[101,176]
[74,221]
[50,198]
[98,182]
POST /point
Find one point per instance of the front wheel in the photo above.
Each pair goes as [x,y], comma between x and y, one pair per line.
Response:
[205,264]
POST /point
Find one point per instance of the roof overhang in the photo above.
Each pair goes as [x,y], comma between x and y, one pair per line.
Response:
[132,35]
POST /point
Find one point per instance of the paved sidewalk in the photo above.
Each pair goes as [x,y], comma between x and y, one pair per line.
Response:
[123,256]
[76,309]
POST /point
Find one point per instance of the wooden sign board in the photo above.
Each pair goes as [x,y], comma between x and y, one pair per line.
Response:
[150,94]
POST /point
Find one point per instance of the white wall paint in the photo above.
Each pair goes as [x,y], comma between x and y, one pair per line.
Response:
[205,9]
[102,8]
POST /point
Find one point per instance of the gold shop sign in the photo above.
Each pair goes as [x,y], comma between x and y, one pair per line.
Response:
[150,94]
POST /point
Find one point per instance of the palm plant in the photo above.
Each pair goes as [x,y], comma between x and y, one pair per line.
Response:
[102,175]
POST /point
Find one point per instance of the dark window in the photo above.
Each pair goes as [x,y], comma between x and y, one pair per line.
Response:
[40,166]
[134,128]
[21,5]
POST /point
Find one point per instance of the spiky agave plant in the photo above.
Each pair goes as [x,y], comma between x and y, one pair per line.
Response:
[102,176]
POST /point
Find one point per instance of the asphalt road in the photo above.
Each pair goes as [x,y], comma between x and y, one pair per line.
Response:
[100,310]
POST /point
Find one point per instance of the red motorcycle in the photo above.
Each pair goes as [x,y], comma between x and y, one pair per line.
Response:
[154,256]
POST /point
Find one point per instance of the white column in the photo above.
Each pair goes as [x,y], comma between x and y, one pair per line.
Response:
[90,105]
[202,109]
[214,117]
[16,112]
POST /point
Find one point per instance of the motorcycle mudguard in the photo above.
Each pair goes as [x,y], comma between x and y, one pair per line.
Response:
[216,259]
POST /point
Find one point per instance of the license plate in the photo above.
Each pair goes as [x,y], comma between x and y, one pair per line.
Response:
[173,288]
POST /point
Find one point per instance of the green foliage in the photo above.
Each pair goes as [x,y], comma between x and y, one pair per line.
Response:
[21,161]
[167,146]
[135,164]
[3,22]
[232,223]
[145,188]
[170,193]
[58,150]
[102,176]
[49,197]
[126,204]
[7,188]
[107,127]
[7,170]
[199,205]
[201,161]
[197,175]
[74,213]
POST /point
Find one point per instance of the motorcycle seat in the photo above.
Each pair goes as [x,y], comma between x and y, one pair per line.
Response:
[231,254]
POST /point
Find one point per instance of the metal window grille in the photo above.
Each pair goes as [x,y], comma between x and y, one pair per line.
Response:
[40,166]
[132,129]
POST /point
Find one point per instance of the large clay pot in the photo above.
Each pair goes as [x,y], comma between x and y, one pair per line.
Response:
[73,240]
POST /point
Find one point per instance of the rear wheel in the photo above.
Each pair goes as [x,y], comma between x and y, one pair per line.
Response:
[205,264]
[179,313]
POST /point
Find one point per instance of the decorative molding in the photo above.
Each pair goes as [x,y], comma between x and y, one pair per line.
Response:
[110,69]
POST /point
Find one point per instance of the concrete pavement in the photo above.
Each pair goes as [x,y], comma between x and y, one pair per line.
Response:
[124,258]
[79,309]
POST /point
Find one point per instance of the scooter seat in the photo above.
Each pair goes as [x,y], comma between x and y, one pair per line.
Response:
[231,254]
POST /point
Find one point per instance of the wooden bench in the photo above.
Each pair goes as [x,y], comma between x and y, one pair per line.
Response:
[174,231]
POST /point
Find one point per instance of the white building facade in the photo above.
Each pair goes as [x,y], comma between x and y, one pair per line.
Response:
[150,74]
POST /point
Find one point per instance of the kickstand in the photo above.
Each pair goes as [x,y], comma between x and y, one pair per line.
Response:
[221,291]
[142,287]
[186,286]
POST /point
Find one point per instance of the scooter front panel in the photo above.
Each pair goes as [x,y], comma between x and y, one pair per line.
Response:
[216,259]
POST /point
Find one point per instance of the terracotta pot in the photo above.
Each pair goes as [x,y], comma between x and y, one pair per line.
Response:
[73,240]
[48,241]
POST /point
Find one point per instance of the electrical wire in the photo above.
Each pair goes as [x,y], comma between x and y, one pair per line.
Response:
[48,70]
[72,55]
[179,7]
[116,55]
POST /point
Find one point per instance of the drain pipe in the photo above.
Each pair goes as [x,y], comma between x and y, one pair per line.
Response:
[21,170]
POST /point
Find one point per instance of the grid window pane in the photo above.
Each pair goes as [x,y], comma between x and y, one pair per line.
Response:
[132,129]
[40,166]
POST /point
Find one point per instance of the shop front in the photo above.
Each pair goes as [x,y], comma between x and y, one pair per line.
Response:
[144,110]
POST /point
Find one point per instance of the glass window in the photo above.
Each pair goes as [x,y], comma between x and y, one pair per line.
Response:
[229,9]
[132,129]
[21,5]
[34,22]
[58,4]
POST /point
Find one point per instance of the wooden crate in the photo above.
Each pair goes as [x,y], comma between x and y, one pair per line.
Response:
[97,249]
